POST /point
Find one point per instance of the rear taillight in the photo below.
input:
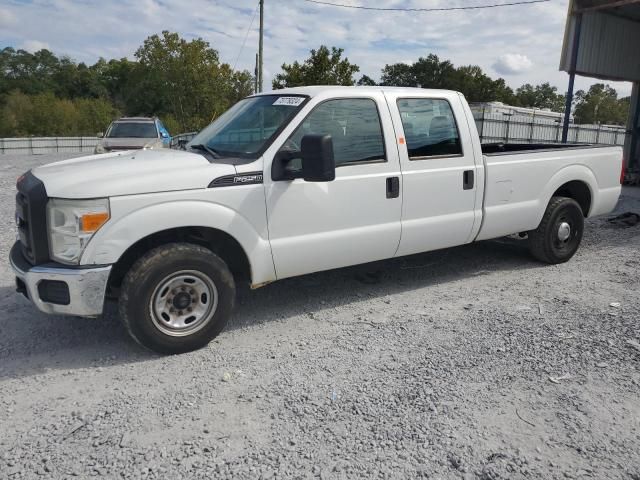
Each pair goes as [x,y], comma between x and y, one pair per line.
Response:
[622,172]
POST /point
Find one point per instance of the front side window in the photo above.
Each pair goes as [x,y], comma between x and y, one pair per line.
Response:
[247,128]
[429,128]
[132,130]
[354,126]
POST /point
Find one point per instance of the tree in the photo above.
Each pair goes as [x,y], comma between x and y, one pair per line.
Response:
[600,105]
[398,75]
[427,72]
[323,67]
[31,73]
[431,72]
[366,81]
[185,80]
[479,87]
[540,96]
[17,107]
[181,81]
[44,114]
[185,84]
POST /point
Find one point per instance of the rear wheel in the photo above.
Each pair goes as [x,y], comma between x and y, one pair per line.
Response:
[559,234]
[177,298]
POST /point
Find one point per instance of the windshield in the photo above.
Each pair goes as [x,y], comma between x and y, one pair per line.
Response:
[248,127]
[132,130]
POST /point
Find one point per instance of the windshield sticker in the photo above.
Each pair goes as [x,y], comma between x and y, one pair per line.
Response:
[289,101]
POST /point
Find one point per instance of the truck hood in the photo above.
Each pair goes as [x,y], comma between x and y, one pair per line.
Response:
[129,173]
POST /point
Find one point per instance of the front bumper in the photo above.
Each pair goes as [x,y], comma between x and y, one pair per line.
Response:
[86,286]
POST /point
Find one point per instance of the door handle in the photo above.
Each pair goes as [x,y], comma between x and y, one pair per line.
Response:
[393,187]
[467,180]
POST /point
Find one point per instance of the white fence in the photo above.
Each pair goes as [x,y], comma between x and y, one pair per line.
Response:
[40,145]
[492,127]
[498,127]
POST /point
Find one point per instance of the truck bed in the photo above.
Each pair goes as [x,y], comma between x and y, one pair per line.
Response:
[520,179]
[506,148]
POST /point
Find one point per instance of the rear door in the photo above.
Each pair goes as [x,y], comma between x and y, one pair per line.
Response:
[439,174]
[355,218]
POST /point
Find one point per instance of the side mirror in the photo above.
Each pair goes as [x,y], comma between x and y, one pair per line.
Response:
[318,164]
[100,134]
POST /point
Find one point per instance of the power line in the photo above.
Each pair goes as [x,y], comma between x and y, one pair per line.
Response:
[246,35]
[442,9]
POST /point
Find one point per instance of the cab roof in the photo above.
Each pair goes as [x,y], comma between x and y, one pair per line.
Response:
[314,90]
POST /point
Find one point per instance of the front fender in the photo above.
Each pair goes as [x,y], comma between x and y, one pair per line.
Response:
[117,235]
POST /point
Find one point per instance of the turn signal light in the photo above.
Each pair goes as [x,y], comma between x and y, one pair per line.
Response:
[91,222]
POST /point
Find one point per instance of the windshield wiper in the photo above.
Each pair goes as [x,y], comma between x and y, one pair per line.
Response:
[203,147]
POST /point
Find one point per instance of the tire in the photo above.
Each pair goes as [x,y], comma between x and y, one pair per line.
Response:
[177,298]
[552,242]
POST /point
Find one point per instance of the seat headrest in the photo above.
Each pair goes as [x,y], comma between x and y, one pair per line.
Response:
[440,126]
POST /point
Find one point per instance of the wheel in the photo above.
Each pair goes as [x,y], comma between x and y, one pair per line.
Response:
[559,234]
[177,298]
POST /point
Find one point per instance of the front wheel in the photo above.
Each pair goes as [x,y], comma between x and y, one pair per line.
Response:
[177,298]
[559,234]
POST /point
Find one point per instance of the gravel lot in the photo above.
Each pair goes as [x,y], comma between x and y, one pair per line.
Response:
[474,363]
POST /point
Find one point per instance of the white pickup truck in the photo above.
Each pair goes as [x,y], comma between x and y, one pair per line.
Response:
[288,183]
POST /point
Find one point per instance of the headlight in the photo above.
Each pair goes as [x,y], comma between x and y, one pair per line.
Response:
[99,148]
[71,224]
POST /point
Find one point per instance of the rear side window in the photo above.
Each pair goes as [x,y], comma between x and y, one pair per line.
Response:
[430,128]
[354,126]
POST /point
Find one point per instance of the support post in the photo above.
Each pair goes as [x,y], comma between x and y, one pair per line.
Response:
[508,122]
[572,75]
[533,123]
[632,139]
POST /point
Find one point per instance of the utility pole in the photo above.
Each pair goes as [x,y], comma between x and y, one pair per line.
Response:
[261,62]
[255,76]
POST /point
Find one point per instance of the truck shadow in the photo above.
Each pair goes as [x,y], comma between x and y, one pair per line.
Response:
[336,288]
[32,342]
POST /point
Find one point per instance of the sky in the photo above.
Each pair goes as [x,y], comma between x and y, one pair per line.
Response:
[522,44]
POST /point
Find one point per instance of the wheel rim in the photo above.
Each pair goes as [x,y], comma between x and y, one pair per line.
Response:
[566,234]
[183,303]
[564,231]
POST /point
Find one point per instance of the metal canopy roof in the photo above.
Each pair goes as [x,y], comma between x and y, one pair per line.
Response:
[629,9]
[609,39]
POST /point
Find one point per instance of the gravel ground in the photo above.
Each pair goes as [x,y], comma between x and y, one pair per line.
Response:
[474,362]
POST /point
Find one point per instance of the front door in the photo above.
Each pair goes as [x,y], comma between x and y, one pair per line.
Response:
[353,219]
